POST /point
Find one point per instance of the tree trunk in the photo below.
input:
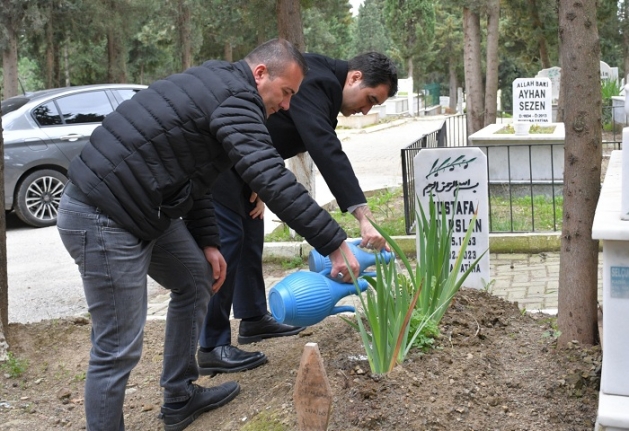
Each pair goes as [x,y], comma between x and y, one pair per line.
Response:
[117,66]
[183,27]
[228,52]
[50,50]
[541,40]
[491,74]
[9,65]
[66,65]
[454,83]
[473,71]
[625,47]
[580,83]
[289,27]
[4,283]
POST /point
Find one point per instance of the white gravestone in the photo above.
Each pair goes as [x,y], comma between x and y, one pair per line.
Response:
[406,85]
[444,173]
[532,100]
[554,74]
[608,73]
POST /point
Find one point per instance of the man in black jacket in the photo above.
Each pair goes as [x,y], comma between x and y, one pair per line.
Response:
[138,202]
[330,86]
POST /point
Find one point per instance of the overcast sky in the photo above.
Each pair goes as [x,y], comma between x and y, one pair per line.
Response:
[355,5]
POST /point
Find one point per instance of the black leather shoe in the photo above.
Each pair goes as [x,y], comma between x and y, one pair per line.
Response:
[228,359]
[267,327]
[202,400]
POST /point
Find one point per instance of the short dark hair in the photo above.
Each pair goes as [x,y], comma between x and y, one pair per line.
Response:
[376,69]
[276,55]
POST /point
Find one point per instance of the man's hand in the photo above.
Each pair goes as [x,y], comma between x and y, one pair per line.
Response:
[258,210]
[219,267]
[371,238]
[340,271]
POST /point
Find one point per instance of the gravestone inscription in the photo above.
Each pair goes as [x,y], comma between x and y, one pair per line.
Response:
[532,100]
[457,180]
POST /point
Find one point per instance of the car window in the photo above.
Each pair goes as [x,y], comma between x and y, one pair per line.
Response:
[85,107]
[47,114]
[126,94]
[13,103]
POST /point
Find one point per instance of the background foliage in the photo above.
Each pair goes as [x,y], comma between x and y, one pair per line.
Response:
[70,42]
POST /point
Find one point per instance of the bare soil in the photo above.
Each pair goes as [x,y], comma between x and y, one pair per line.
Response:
[494,368]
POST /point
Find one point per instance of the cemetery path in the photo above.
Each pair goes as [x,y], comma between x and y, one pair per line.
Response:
[493,368]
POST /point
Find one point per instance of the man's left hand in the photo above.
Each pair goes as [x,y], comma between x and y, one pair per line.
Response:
[258,210]
[219,267]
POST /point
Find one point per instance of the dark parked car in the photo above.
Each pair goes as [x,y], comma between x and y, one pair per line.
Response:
[43,131]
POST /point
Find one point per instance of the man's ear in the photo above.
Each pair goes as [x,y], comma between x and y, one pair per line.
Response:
[259,72]
[354,76]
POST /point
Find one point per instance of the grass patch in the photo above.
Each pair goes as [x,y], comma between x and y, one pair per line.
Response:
[14,367]
[524,214]
[387,206]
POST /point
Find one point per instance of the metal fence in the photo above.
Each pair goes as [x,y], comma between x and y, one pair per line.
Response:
[432,92]
[520,199]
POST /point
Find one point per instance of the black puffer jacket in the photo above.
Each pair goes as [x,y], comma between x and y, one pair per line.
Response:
[156,156]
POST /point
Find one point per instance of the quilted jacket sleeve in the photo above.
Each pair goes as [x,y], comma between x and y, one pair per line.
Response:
[201,222]
[241,130]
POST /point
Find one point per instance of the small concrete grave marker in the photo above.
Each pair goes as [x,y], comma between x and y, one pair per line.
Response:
[444,173]
[532,100]
[313,394]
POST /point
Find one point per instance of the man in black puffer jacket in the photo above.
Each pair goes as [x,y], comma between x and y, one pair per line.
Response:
[138,203]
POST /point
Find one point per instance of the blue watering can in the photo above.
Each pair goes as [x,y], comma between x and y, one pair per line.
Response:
[305,298]
[321,264]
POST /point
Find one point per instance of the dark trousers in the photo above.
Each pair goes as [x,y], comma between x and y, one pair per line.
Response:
[242,240]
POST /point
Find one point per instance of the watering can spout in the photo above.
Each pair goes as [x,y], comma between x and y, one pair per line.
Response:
[343,309]
[320,263]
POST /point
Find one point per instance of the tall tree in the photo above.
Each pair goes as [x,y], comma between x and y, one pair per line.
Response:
[370,33]
[184,31]
[449,42]
[412,27]
[12,13]
[580,85]
[289,27]
[474,86]
[4,281]
[116,43]
[491,65]
[289,23]
[481,89]
[538,28]
[327,28]
[623,13]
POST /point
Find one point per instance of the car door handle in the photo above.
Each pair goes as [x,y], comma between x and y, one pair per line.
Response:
[72,137]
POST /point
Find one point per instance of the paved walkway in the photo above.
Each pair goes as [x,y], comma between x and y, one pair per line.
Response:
[531,280]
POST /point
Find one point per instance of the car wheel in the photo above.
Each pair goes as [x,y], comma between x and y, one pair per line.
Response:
[38,197]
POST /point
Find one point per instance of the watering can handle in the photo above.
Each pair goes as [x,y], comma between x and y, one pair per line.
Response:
[342,309]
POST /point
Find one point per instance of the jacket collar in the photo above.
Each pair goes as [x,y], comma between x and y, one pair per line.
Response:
[243,68]
[340,68]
